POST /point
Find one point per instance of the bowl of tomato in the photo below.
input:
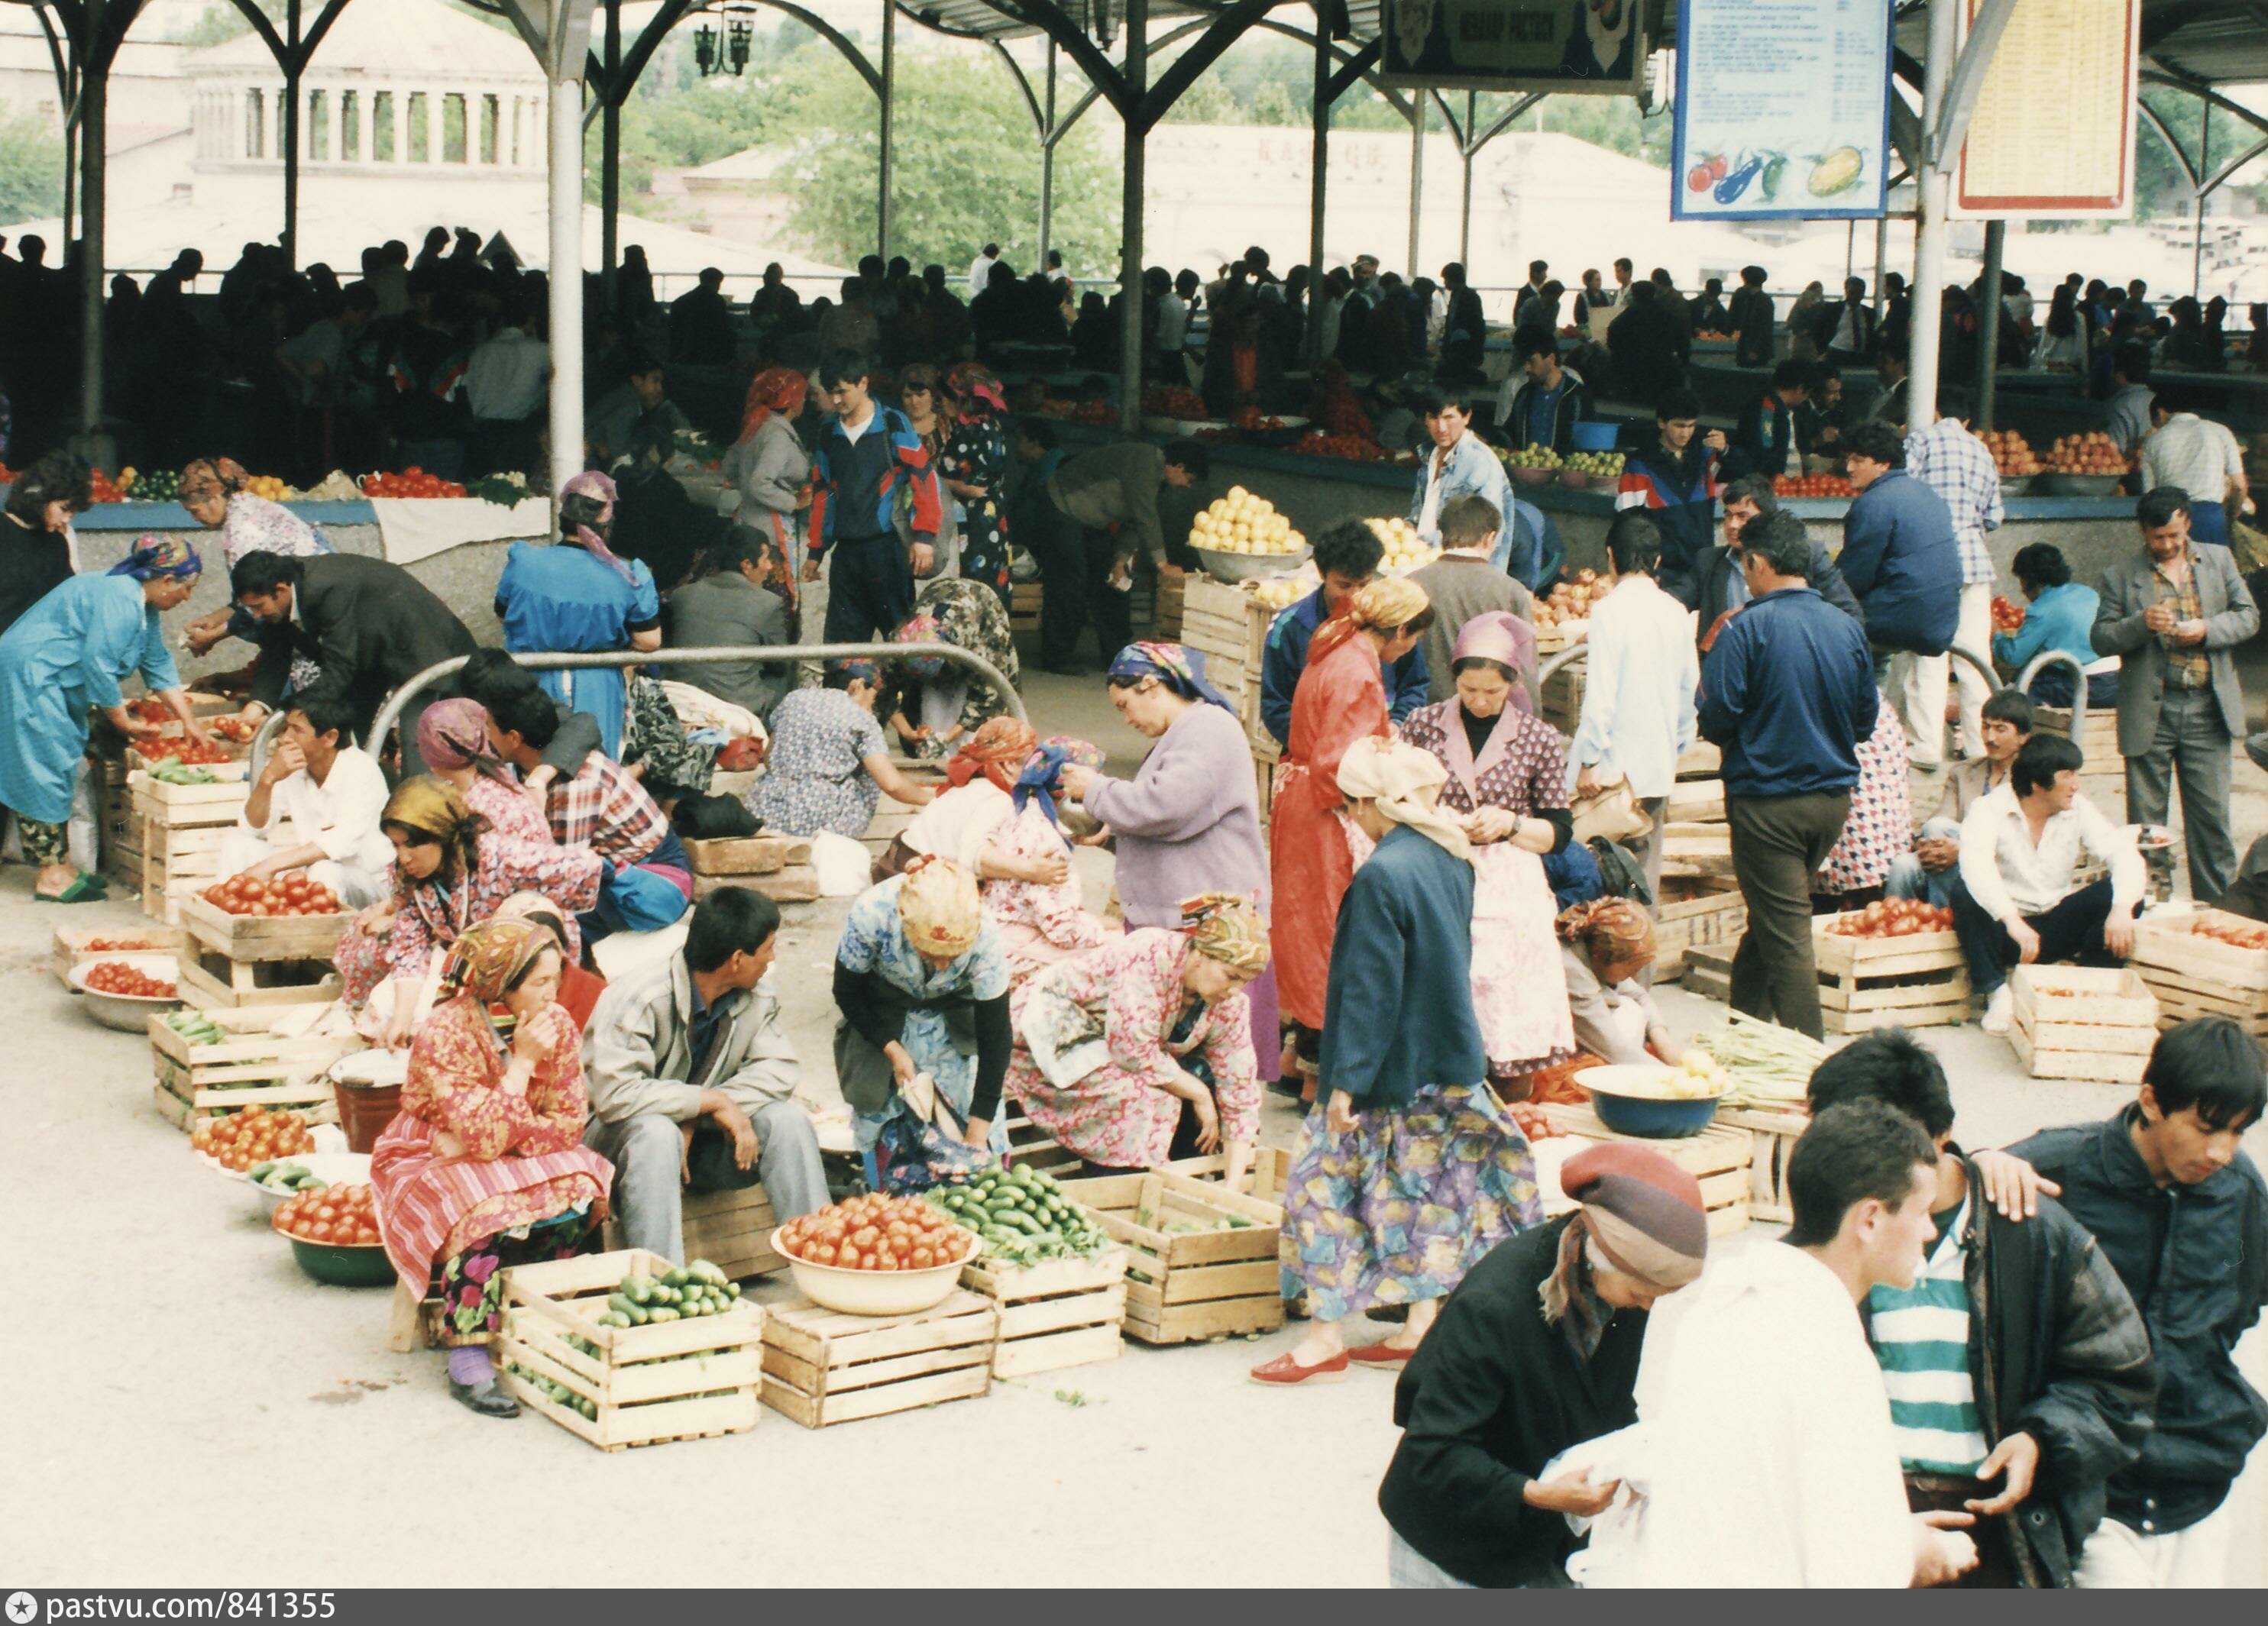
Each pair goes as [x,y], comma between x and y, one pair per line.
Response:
[333,1235]
[123,990]
[903,1255]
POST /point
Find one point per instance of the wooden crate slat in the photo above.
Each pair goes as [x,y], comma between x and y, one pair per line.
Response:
[2167,942]
[1720,1158]
[1920,980]
[1773,1133]
[69,949]
[254,937]
[1233,1271]
[822,1367]
[2098,1067]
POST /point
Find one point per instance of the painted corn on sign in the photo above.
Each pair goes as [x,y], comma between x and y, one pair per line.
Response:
[1782,110]
[1578,46]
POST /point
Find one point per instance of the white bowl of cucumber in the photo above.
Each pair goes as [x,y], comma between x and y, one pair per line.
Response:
[286,1177]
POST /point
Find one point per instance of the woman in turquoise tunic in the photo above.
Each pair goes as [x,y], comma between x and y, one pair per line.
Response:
[65,658]
[577,596]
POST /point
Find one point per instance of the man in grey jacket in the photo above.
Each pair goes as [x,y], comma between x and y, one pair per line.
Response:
[2175,614]
[692,1080]
[735,605]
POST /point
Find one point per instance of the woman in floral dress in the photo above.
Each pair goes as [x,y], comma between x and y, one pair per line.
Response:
[829,764]
[1880,828]
[1030,891]
[484,1165]
[973,467]
[933,705]
[452,736]
[451,872]
[1508,784]
[1140,1050]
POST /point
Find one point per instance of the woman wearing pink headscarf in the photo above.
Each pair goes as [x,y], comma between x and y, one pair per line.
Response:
[453,735]
[1508,786]
[577,596]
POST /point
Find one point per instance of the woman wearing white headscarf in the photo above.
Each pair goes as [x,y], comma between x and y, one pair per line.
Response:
[1407,1168]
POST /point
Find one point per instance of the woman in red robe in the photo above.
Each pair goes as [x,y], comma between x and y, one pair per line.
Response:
[1312,856]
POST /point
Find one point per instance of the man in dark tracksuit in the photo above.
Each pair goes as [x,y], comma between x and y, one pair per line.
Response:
[865,457]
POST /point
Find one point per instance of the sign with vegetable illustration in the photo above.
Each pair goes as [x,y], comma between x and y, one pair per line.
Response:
[1782,110]
[1580,47]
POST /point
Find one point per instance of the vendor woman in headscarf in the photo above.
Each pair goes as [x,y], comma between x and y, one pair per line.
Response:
[1508,782]
[577,596]
[1408,1169]
[212,489]
[1608,945]
[452,736]
[65,656]
[1313,847]
[1140,1050]
[922,989]
[767,466]
[1536,1352]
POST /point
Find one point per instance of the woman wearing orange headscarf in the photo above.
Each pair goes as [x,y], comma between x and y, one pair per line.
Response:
[1341,698]
[769,465]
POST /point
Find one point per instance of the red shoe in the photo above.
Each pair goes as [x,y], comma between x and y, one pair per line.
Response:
[1283,1371]
[1386,1356]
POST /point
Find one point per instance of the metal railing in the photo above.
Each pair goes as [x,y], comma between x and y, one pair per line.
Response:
[1578,651]
[2049,658]
[579,660]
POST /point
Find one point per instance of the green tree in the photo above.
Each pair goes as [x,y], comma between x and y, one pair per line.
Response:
[30,168]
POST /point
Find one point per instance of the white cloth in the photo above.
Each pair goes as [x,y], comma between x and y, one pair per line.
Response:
[958,823]
[339,815]
[410,529]
[1640,678]
[505,378]
[2194,455]
[2010,878]
[2120,1557]
[1798,1483]
[1917,690]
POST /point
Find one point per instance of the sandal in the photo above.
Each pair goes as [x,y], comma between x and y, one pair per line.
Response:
[489,1399]
[1285,1372]
[83,888]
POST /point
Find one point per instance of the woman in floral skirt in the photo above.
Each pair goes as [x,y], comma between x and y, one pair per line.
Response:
[974,466]
[1880,828]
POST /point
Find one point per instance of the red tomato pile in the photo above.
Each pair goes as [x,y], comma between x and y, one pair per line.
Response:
[150,709]
[1532,1121]
[2007,615]
[1893,917]
[1351,448]
[106,488]
[2231,933]
[286,894]
[1812,485]
[124,945]
[237,729]
[1173,401]
[189,752]
[875,1232]
[411,481]
[241,1139]
[115,976]
[341,1216]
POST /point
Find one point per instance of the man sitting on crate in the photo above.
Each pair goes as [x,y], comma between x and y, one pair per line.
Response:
[692,1080]
[2019,898]
[2019,1371]
[1932,871]
[330,792]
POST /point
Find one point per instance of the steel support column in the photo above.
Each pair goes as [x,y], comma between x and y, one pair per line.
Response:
[95,51]
[1136,76]
[1465,203]
[1931,181]
[888,95]
[611,92]
[1318,186]
[1418,112]
[294,67]
[1990,315]
[566,285]
[1048,164]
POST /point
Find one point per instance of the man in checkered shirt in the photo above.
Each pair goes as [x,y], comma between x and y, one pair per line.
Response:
[1960,468]
[648,882]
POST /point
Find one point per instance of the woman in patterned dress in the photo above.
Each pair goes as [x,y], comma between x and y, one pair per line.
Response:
[1140,1050]
[829,764]
[1508,784]
[1030,891]
[212,489]
[451,872]
[973,467]
[1880,828]
[484,1165]
[453,735]
[932,705]
[1408,1170]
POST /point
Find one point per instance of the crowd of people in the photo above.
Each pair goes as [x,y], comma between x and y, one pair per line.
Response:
[1414,944]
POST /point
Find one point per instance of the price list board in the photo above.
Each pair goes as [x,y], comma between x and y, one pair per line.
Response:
[2052,134]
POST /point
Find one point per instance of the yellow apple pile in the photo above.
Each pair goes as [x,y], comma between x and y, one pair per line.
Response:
[1404,552]
[1281,593]
[1242,522]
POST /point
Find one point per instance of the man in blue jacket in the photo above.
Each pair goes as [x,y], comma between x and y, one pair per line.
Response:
[1787,693]
[1346,555]
[2182,1214]
[1903,561]
[1765,439]
[1675,480]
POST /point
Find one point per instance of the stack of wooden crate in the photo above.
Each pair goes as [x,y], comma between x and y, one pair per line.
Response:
[2103,776]
[778,866]
[1229,626]
[1694,839]
[237,962]
[1718,1158]
[1918,981]
[168,839]
[2078,1022]
[275,1057]
[1695,912]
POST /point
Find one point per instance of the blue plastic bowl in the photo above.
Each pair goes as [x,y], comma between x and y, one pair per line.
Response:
[1592,437]
[1649,1119]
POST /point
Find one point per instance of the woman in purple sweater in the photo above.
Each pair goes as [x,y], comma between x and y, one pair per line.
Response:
[1189,821]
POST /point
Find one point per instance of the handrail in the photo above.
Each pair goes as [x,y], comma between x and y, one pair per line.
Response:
[579,660]
[2078,684]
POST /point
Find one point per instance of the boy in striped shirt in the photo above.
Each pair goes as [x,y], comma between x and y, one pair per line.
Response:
[2018,1370]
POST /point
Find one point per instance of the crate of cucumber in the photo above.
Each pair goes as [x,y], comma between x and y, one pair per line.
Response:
[1056,1278]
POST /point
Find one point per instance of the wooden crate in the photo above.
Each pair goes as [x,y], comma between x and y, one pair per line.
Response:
[237,960]
[1709,971]
[1204,1284]
[1229,626]
[1700,761]
[2194,977]
[71,946]
[1772,1134]
[1692,848]
[1718,1158]
[2098,740]
[822,1368]
[1024,607]
[1696,801]
[643,1394]
[1167,609]
[1552,639]
[1028,1143]
[1705,913]
[748,854]
[1265,1177]
[1561,704]
[1920,981]
[1062,1312]
[276,1059]
[2078,1022]
[732,1230]
[258,938]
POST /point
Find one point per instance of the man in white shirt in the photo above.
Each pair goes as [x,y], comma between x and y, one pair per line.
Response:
[1641,675]
[2019,899]
[316,806]
[504,385]
[2198,458]
[1797,1483]
[980,269]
